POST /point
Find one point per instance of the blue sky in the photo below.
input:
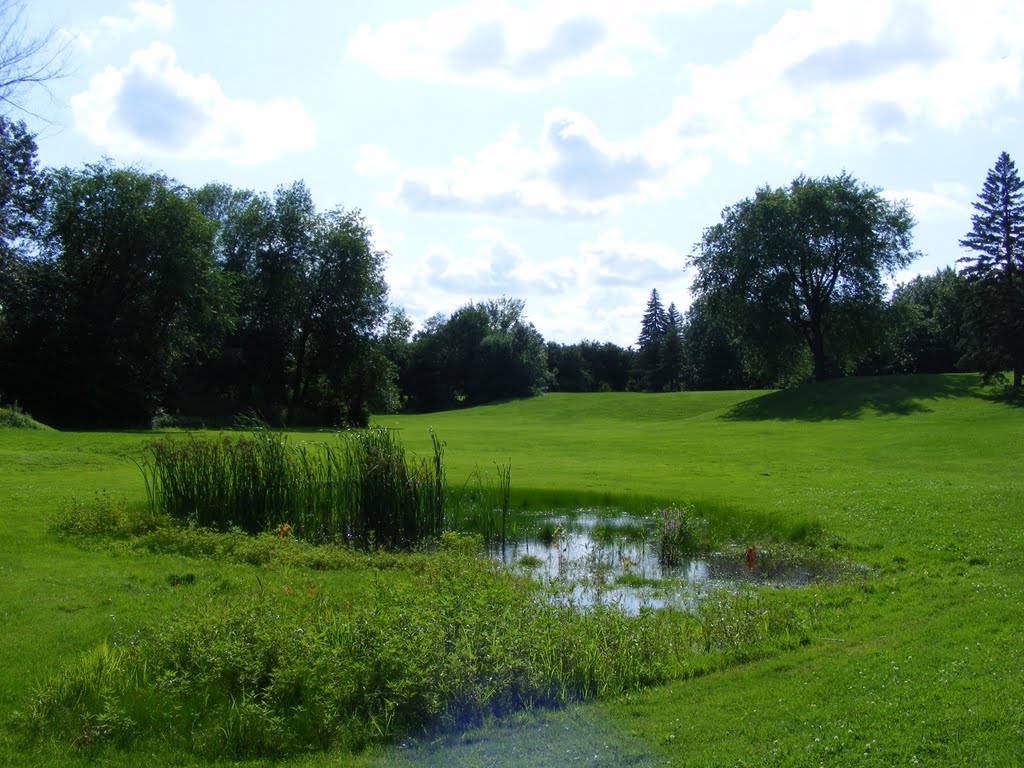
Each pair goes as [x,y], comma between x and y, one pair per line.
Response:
[566,153]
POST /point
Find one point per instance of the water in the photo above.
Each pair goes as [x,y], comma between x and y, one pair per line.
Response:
[590,559]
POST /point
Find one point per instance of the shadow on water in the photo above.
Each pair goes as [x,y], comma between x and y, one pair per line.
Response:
[850,398]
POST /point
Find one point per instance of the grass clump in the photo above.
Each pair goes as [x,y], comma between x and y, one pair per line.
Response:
[361,489]
[290,670]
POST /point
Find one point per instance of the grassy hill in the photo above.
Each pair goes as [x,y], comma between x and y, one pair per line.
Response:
[916,478]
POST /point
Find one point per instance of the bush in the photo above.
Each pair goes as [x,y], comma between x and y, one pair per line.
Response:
[14,416]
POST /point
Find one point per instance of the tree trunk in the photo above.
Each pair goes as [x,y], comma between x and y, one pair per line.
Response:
[818,352]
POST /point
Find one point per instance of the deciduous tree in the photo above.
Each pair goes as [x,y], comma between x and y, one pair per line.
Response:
[800,268]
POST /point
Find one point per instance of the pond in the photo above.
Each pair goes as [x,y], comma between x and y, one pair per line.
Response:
[590,558]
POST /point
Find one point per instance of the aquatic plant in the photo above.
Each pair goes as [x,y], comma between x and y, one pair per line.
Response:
[679,533]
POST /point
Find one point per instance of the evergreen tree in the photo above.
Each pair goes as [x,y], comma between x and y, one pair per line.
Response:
[672,350]
[994,326]
[652,336]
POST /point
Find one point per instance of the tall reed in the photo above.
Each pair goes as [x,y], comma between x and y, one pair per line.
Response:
[483,506]
[361,488]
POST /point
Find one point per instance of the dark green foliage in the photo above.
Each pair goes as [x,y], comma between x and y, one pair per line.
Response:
[653,327]
[797,273]
[672,351]
[122,295]
[589,366]
[306,347]
[362,489]
[994,328]
[21,188]
[927,319]
[482,353]
[272,674]
[711,358]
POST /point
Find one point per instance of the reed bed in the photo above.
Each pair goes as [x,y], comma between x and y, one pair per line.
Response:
[361,488]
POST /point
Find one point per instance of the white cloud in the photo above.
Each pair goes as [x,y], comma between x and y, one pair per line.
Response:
[943,202]
[375,160]
[854,73]
[154,107]
[492,43]
[598,290]
[145,14]
[572,171]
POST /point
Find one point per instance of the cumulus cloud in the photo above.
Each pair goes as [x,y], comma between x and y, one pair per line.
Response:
[145,14]
[596,290]
[941,202]
[570,172]
[490,42]
[156,108]
[854,74]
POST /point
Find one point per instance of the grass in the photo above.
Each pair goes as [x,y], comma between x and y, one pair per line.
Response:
[358,488]
[914,477]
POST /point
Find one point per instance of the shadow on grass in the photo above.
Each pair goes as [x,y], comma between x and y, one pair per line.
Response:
[851,397]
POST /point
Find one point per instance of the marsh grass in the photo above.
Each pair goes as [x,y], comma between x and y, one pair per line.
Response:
[483,505]
[273,672]
[361,488]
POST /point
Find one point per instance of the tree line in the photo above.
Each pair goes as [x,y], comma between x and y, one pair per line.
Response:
[125,295]
[791,286]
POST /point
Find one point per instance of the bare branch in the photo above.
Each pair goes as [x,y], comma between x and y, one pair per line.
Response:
[26,60]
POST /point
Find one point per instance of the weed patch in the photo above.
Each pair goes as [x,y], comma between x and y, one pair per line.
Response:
[283,671]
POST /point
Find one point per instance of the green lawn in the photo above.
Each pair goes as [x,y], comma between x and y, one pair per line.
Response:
[917,478]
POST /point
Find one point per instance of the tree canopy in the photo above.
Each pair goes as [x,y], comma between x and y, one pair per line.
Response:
[797,272]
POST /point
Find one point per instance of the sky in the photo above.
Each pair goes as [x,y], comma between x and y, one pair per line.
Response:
[570,154]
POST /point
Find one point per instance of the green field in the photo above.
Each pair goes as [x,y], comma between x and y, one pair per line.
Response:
[916,478]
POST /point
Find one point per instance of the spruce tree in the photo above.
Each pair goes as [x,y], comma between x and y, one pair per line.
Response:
[652,335]
[995,273]
[672,350]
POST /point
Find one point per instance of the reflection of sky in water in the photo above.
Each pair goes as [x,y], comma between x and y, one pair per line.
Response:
[587,572]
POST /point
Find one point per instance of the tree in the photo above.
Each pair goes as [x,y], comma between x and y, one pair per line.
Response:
[672,350]
[26,61]
[21,204]
[927,317]
[798,270]
[711,359]
[122,293]
[483,352]
[995,297]
[653,327]
[312,307]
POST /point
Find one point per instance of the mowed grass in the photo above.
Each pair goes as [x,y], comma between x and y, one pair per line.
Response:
[917,478]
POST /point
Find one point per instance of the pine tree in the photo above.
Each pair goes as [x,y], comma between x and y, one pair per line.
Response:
[652,335]
[672,350]
[995,273]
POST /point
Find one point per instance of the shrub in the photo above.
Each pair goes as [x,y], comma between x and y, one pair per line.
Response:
[14,416]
